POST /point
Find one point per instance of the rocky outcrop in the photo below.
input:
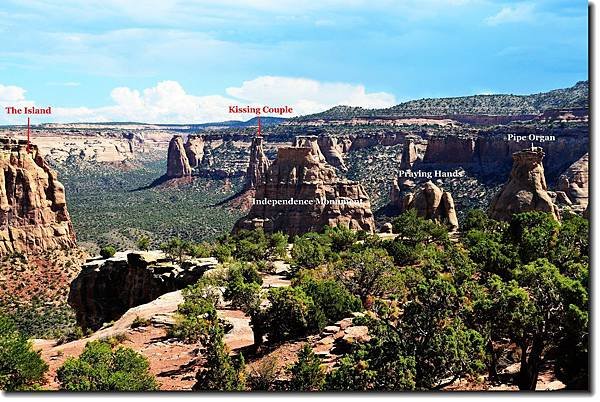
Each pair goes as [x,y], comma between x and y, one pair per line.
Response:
[33,206]
[258,166]
[105,289]
[302,193]
[526,189]
[310,141]
[178,164]
[574,182]
[409,154]
[194,150]
[430,202]
[333,151]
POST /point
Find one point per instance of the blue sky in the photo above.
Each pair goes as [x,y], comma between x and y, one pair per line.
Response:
[185,60]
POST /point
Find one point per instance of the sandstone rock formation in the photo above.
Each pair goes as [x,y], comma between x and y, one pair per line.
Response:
[333,151]
[409,154]
[105,289]
[258,166]
[178,164]
[194,150]
[526,189]
[302,193]
[310,141]
[33,206]
[575,181]
[430,202]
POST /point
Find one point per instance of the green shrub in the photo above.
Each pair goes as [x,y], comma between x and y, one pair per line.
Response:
[291,313]
[21,368]
[108,252]
[102,368]
[330,297]
[307,374]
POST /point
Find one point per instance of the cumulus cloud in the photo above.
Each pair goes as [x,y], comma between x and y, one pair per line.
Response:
[308,96]
[168,102]
[11,95]
[518,13]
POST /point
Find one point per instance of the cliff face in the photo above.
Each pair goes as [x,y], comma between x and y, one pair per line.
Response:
[33,207]
[302,193]
[575,182]
[491,152]
[450,149]
[526,189]
[105,289]
[258,166]
[178,164]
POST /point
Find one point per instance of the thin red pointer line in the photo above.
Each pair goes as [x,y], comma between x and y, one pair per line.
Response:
[28,135]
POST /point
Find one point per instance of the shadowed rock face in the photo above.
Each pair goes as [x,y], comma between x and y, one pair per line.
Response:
[258,166]
[302,193]
[178,164]
[105,289]
[574,182]
[526,189]
[33,207]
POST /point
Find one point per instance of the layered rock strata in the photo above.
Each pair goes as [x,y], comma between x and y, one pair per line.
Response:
[33,206]
[526,189]
[105,289]
[302,193]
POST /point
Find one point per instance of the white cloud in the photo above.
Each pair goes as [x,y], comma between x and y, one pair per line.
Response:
[168,102]
[306,95]
[11,95]
[521,12]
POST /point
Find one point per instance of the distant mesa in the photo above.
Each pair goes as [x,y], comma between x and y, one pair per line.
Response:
[33,206]
[526,189]
[302,193]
